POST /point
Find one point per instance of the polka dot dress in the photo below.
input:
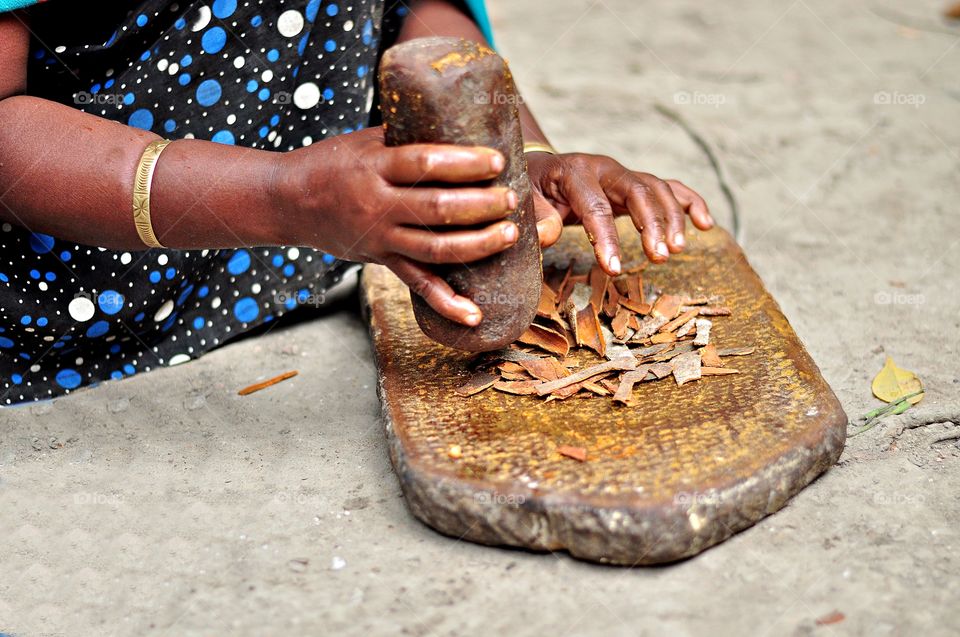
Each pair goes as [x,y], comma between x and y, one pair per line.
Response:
[267,74]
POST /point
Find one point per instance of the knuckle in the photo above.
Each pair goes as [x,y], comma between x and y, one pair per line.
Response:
[641,192]
[598,209]
[439,206]
[426,161]
[421,286]
[436,250]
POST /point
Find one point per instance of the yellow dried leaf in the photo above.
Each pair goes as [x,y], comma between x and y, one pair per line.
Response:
[893,383]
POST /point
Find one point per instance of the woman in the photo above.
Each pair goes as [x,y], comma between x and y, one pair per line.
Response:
[87,97]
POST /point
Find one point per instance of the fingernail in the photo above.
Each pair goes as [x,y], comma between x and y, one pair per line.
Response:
[679,239]
[662,249]
[510,232]
[614,264]
[497,162]
[512,200]
[473,315]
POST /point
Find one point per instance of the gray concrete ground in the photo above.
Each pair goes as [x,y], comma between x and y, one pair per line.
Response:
[175,507]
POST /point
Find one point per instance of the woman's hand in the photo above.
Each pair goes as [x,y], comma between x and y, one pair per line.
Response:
[592,189]
[356,199]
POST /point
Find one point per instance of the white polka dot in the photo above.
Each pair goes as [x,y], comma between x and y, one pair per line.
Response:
[203,19]
[255,288]
[290,23]
[81,309]
[174,69]
[307,140]
[231,119]
[215,303]
[43,286]
[348,25]
[162,259]
[163,64]
[178,359]
[164,311]
[267,75]
[293,254]
[238,62]
[306,96]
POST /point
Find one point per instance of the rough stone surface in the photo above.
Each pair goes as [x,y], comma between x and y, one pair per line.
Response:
[440,91]
[181,514]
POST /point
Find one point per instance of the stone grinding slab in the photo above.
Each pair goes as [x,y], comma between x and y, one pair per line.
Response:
[683,470]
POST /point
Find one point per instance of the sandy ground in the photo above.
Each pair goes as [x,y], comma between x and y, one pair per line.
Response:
[167,505]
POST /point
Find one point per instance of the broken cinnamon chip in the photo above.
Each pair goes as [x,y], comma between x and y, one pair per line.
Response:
[570,314]
[649,326]
[598,284]
[621,323]
[711,310]
[717,371]
[580,297]
[709,356]
[577,453]
[588,329]
[667,306]
[545,369]
[547,306]
[519,387]
[624,393]
[615,348]
[634,285]
[680,321]
[477,383]
[650,350]
[736,351]
[661,370]
[585,374]
[687,328]
[666,355]
[596,388]
[686,367]
[836,616]
[566,287]
[636,308]
[546,339]
[611,301]
[267,383]
[703,332]
[663,337]
[610,385]
[512,367]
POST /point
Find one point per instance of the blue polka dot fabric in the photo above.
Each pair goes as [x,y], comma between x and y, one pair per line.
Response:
[267,74]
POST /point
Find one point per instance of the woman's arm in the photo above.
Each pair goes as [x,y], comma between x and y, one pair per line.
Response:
[71,175]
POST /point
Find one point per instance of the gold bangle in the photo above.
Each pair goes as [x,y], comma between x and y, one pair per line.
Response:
[538,147]
[141,192]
